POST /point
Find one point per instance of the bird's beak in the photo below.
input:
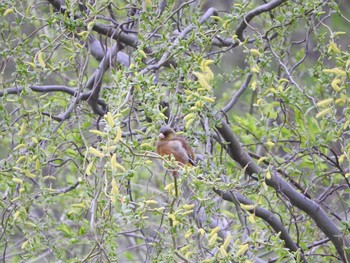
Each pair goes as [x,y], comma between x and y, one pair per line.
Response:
[161,136]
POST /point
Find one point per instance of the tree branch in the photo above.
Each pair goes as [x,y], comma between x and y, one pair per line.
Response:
[237,94]
[255,12]
[266,215]
[210,12]
[319,216]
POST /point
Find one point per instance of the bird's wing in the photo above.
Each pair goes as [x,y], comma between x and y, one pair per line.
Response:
[188,149]
[178,148]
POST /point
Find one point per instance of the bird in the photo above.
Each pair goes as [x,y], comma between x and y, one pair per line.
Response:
[172,145]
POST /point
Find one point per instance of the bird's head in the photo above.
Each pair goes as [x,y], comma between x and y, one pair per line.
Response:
[166,133]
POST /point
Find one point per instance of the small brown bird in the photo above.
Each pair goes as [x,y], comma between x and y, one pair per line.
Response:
[170,144]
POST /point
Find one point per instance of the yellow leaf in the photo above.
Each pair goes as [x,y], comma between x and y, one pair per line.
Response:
[78,205]
[148,3]
[169,187]
[341,101]
[185,248]
[90,25]
[188,207]
[205,64]
[212,240]
[151,202]
[339,33]
[270,144]
[146,145]
[142,53]
[199,104]
[251,218]
[96,152]
[114,190]
[281,80]
[171,216]
[325,102]
[323,112]
[202,80]
[19,146]
[209,75]
[227,241]
[179,211]
[223,251]
[8,11]
[97,132]
[188,234]
[255,52]
[261,159]
[217,18]
[341,158]
[268,175]
[335,84]
[253,86]
[255,69]
[189,116]
[188,254]
[242,249]
[346,124]
[336,71]
[160,209]
[333,48]
[23,129]
[109,119]
[30,64]
[16,215]
[37,165]
[29,174]
[17,180]
[77,45]
[187,213]
[201,231]
[83,33]
[248,207]
[25,244]
[189,123]
[115,165]
[120,167]
[118,136]
[41,60]
[89,168]
[214,231]
[21,158]
[225,26]
[208,99]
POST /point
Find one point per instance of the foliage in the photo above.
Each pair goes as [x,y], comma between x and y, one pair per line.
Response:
[260,90]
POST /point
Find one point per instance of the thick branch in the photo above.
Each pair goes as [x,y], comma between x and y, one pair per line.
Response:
[266,215]
[322,220]
[255,12]
[95,81]
[98,52]
[14,90]
[44,89]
